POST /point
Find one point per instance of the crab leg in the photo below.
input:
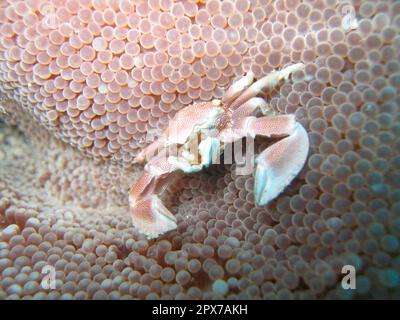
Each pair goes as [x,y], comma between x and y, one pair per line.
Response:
[248,108]
[267,82]
[273,126]
[281,162]
[237,87]
[241,117]
[148,213]
[149,151]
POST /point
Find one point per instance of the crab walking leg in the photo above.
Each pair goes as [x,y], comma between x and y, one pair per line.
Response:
[148,213]
[267,82]
[237,88]
[240,119]
[248,108]
[149,151]
[277,165]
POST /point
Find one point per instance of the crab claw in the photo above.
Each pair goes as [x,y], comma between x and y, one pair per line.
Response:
[279,164]
[148,213]
[151,217]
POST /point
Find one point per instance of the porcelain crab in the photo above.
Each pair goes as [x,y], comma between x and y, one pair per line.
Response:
[206,127]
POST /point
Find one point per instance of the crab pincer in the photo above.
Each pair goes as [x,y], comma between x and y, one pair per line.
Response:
[279,164]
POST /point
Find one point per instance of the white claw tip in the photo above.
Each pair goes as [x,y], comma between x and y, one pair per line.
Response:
[348,24]
[295,67]
[216,102]
[250,75]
